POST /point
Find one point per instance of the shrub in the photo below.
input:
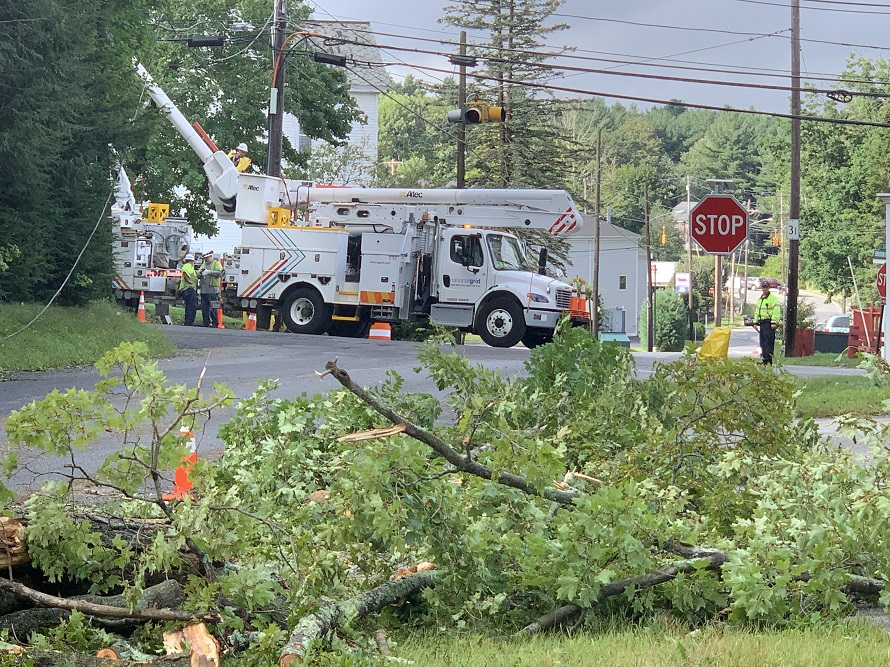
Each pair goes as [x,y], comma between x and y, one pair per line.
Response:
[671,323]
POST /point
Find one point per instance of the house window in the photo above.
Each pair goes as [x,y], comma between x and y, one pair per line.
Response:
[622,282]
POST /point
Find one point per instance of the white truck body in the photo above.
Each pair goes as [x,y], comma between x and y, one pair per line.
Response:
[381,255]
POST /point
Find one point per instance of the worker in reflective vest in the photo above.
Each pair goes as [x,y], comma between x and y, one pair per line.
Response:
[209,274]
[767,317]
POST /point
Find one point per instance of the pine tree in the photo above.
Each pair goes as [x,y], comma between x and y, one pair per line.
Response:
[524,150]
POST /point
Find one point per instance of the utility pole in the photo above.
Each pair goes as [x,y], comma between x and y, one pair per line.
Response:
[689,255]
[276,96]
[595,320]
[462,126]
[718,268]
[650,287]
[794,205]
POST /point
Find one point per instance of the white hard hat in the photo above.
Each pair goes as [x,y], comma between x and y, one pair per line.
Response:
[189,258]
[242,147]
[208,253]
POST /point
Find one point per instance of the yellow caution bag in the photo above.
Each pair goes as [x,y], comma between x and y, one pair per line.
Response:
[715,345]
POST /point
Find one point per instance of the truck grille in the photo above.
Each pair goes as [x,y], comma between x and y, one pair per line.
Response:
[563,298]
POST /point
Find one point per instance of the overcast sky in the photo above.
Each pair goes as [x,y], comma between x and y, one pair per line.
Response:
[595,37]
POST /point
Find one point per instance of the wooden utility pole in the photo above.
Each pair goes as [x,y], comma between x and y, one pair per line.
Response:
[595,320]
[462,126]
[793,229]
[276,95]
[689,256]
[650,291]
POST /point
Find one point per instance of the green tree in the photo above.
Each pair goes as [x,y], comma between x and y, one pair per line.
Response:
[67,92]
[226,89]
[524,150]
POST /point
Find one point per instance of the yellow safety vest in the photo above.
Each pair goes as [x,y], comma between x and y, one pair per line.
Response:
[768,308]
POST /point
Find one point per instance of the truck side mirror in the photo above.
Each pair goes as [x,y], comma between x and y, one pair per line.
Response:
[542,261]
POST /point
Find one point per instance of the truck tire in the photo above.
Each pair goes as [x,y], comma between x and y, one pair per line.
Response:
[500,322]
[535,337]
[305,312]
[346,329]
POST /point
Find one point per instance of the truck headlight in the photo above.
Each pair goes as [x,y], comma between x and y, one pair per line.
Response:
[537,298]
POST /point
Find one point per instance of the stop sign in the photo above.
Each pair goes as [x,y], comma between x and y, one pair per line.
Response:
[719,224]
[882,281]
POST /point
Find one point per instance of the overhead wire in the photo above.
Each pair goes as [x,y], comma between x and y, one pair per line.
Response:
[679,103]
[610,72]
[635,59]
[819,9]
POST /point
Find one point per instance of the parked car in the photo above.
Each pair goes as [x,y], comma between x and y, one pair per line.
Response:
[774,283]
[837,324]
[753,282]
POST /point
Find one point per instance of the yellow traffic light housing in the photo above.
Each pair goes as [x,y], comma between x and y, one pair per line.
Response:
[476,113]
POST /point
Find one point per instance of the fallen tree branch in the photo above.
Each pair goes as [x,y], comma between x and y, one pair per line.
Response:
[569,612]
[317,625]
[44,658]
[716,559]
[461,462]
[114,606]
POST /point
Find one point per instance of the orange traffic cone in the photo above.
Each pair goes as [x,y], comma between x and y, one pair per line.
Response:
[251,322]
[219,322]
[181,482]
[380,331]
[140,312]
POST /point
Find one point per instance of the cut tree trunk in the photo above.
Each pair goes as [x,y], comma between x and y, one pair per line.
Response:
[316,626]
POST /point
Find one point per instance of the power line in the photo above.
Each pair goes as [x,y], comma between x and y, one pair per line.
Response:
[818,9]
[611,72]
[647,62]
[678,103]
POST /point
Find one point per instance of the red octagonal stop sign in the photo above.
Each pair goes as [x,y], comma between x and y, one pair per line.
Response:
[719,224]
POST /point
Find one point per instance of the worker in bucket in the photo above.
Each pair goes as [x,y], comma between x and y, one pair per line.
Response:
[238,156]
[188,289]
[209,274]
[767,317]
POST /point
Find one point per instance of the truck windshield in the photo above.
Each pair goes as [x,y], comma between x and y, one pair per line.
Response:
[507,253]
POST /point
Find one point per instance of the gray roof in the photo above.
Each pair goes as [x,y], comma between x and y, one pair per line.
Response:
[364,70]
[607,231]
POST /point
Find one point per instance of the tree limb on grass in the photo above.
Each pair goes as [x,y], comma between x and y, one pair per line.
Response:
[115,606]
[317,625]
[569,612]
[461,462]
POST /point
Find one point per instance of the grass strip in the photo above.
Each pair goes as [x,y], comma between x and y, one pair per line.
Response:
[75,336]
[845,645]
[832,395]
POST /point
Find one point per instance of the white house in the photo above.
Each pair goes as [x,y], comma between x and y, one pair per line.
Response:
[622,271]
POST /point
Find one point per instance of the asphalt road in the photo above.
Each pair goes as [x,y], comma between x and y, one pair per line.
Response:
[242,358]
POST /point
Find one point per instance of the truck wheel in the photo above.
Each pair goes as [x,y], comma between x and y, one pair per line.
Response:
[500,322]
[535,337]
[346,329]
[304,311]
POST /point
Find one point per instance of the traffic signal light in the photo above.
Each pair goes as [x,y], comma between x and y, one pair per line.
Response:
[477,112]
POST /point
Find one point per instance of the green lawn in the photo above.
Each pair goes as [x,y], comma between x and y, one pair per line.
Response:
[832,395]
[819,359]
[847,645]
[64,337]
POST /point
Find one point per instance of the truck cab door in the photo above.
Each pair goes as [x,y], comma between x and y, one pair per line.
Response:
[463,269]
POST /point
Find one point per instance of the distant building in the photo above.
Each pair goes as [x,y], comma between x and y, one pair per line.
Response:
[365,72]
[622,272]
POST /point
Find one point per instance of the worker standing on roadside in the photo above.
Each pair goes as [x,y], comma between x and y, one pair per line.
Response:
[239,158]
[188,289]
[767,317]
[209,275]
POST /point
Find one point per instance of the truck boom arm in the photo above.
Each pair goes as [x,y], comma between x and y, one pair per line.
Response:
[221,173]
[550,210]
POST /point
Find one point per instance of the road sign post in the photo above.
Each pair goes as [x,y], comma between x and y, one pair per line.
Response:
[719,224]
